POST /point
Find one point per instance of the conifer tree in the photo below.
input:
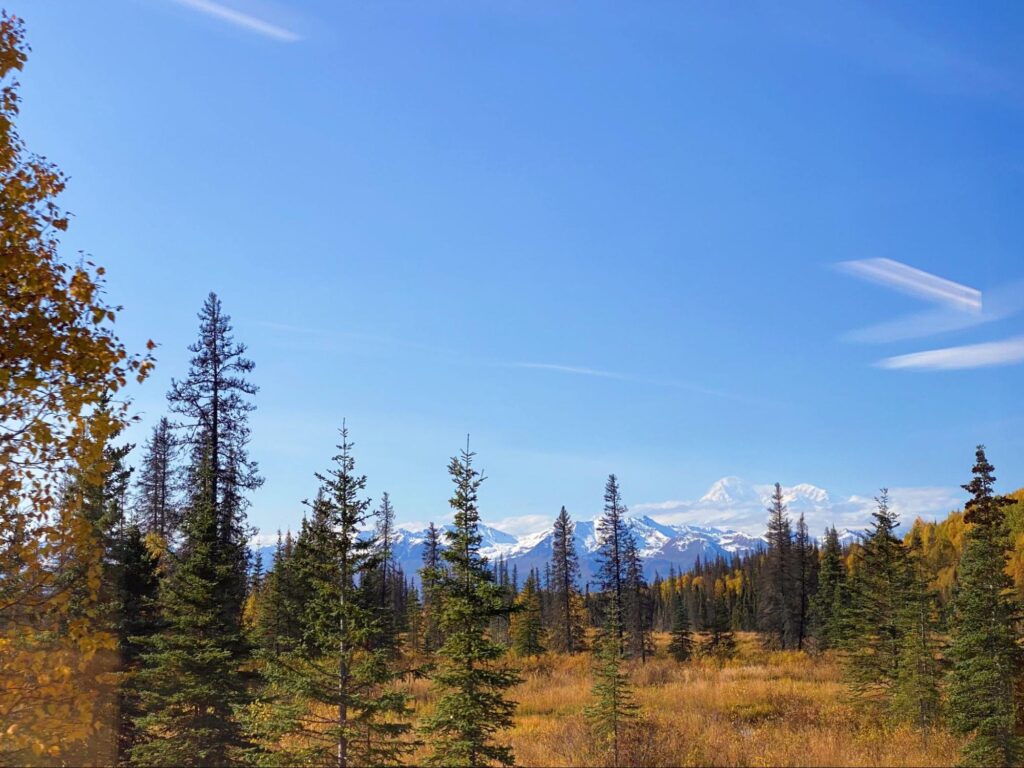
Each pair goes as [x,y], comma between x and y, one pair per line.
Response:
[472,706]
[804,577]
[192,680]
[157,484]
[527,626]
[635,605]
[879,594]
[138,621]
[430,577]
[214,403]
[414,621]
[916,695]
[385,592]
[983,648]
[332,702]
[827,610]
[680,645]
[98,498]
[722,641]
[777,618]
[615,710]
[612,536]
[567,631]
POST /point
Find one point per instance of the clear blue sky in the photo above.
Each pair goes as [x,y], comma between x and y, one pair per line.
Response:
[401,204]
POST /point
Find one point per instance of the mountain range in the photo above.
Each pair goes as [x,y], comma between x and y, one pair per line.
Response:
[663,544]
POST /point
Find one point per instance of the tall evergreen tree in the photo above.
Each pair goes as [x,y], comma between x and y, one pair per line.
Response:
[414,620]
[472,706]
[680,645]
[430,578]
[722,641]
[527,626]
[879,594]
[635,599]
[612,536]
[98,497]
[777,618]
[138,621]
[157,505]
[916,694]
[983,648]
[567,631]
[332,701]
[827,610]
[192,679]
[385,591]
[615,709]
[214,403]
[804,578]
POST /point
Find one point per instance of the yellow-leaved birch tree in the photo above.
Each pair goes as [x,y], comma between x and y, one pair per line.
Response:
[59,362]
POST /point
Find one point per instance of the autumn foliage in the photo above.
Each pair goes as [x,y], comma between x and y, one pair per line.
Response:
[61,371]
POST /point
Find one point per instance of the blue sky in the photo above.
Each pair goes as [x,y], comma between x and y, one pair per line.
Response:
[599,237]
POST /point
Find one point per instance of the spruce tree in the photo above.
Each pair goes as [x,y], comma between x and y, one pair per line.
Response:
[615,710]
[414,621]
[777,619]
[805,579]
[828,606]
[916,694]
[983,648]
[430,578]
[471,683]
[157,485]
[192,680]
[138,621]
[879,593]
[279,604]
[612,537]
[567,631]
[635,608]
[722,641]
[380,584]
[214,403]
[97,497]
[332,701]
[527,626]
[680,646]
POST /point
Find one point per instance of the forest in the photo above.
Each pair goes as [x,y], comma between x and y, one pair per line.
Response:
[138,629]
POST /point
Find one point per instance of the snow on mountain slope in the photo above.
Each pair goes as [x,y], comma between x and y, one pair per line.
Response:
[666,537]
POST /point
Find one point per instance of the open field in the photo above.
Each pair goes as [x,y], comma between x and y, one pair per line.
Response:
[761,709]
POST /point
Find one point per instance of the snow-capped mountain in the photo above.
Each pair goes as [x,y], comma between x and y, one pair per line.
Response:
[669,534]
[662,546]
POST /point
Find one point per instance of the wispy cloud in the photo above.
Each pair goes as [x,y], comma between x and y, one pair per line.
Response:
[241,19]
[915,282]
[1006,352]
[748,513]
[524,525]
[601,374]
[575,369]
[330,337]
[1000,303]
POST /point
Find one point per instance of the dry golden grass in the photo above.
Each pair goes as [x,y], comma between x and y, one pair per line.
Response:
[761,709]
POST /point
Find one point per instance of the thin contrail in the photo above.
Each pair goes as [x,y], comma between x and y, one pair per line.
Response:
[915,282]
[241,19]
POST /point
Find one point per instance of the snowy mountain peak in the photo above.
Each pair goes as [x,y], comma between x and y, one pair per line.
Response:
[806,493]
[730,490]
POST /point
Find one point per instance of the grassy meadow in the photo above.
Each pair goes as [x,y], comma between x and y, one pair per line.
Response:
[763,708]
